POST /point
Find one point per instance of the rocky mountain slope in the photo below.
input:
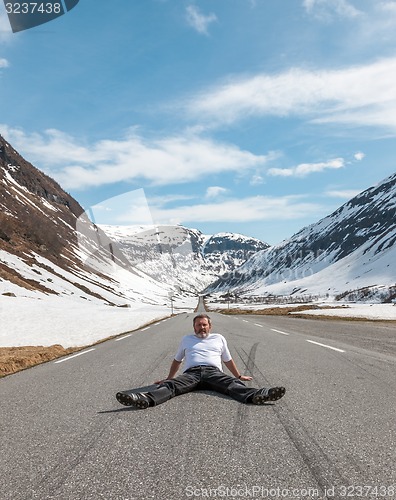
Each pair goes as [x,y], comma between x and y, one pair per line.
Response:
[184,258]
[348,254]
[48,244]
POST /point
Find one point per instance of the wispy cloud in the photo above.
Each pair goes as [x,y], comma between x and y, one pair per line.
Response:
[199,21]
[168,160]
[256,180]
[256,208]
[215,191]
[305,169]
[321,96]
[359,156]
[327,9]
[345,194]
[4,63]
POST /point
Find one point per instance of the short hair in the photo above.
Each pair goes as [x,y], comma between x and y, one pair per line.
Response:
[202,316]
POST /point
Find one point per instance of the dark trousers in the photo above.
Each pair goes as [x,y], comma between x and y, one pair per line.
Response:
[202,377]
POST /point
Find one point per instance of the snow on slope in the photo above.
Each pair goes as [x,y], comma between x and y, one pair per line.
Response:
[356,271]
[183,258]
[77,309]
[350,249]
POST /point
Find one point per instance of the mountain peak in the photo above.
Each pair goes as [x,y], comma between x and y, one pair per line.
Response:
[350,249]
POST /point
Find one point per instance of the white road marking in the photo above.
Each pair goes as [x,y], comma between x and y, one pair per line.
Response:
[74,356]
[246,321]
[324,345]
[279,331]
[122,338]
[147,327]
[261,326]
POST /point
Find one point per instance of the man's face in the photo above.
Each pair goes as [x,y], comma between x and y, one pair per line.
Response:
[201,327]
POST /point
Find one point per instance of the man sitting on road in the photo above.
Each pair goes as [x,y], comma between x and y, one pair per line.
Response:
[203,353]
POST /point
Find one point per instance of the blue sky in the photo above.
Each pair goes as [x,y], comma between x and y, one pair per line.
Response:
[252,116]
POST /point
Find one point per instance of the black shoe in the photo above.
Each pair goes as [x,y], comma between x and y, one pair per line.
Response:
[264,395]
[137,399]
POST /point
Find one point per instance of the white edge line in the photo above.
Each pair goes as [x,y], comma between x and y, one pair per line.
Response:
[74,356]
[122,338]
[147,327]
[279,331]
[324,345]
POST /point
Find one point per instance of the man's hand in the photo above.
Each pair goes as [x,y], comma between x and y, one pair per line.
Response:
[234,370]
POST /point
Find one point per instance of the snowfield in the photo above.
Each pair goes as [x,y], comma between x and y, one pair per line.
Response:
[364,311]
[36,319]
[336,309]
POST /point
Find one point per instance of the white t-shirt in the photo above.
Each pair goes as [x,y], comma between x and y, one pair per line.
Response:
[211,351]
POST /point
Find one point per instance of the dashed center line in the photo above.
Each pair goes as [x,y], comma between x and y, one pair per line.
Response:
[74,356]
[261,326]
[325,345]
[143,329]
[122,338]
[279,331]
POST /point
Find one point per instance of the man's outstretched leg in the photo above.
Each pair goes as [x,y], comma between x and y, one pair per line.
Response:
[218,381]
[137,399]
[168,389]
[264,395]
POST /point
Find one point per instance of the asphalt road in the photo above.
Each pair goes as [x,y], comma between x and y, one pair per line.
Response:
[64,435]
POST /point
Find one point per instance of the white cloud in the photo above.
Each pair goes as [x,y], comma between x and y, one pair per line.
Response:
[200,22]
[321,96]
[345,194]
[215,191]
[326,9]
[359,156]
[388,6]
[305,169]
[4,63]
[176,159]
[256,180]
[256,208]
[166,199]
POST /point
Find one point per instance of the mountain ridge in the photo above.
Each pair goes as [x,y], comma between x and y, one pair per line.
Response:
[362,229]
[48,244]
[46,238]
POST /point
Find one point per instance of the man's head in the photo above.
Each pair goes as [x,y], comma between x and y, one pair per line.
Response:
[202,325]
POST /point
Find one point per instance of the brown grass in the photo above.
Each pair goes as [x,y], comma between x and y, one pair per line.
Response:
[271,311]
[284,311]
[14,359]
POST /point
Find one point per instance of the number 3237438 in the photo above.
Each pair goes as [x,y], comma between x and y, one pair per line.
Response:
[33,8]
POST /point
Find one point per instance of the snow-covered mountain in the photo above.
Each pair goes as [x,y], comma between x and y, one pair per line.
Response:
[348,254]
[182,257]
[48,245]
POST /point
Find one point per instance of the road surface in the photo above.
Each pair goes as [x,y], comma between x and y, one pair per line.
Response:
[64,435]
